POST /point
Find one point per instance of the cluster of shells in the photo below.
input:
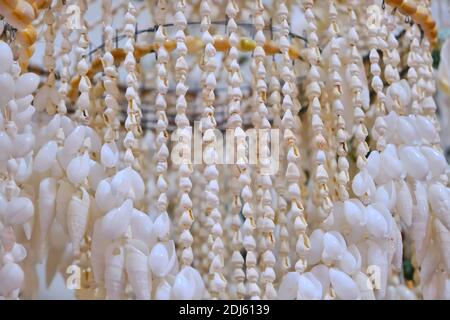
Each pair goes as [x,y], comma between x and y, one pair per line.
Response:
[361,186]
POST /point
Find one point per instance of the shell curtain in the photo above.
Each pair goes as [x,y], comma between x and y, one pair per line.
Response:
[222,149]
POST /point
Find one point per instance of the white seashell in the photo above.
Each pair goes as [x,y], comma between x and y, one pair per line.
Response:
[45,157]
[428,266]
[343,285]
[309,288]
[162,226]
[137,270]
[18,211]
[289,286]
[96,143]
[63,197]
[162,258]
[104,198]
[6,57]
[96,173]
[18,252]
[332,248]
[376,223]
[47,204]
[114,272]
[26,84]
[439,198]
[350,261]
[414,162]
[407,131]
[322,274]
[109,155]
[6,88]
[373,163]
[188,285]
[398,248]
[426,129]
[363,183]
[78,168]
[436,161]
[142,228]
[316,244]
[23,118]
[11,278]
[6,146]
[77,219]
[23,144]
[74,140]
[386,194]
[404,203]
[353,214]
[115,222]
[163,291]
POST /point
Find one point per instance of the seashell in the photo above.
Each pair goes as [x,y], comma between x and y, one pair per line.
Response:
[142,228]
[45,157]
[26,84]
[23,144]
[23,118]
[429,265]
[96,174]
[439,198]
[18,211]
[162,258]
[332,248]
[137,183]
[163,291]
[11,278]
[162,226]
[47,204]
[420,219]
[115,222]
[406,131]
[415,163]
[376,223]
[289,286]
[6,88]
[6,57]
[350,261]
[398,248]
[77,218]
[63,197]
[96,143]
[74,140]
[343,285]
[78,168]
[436,161]
[363,183]
[109,155]
[114,272]
[137,270]
[373,164]
[6,146]
[18,252]
[121,184]
[426,129]
[188,285]
[316,241]
[104,198]
[309,288]
[386,194]
[322,274]
[363,281]
[404,203]
[353,214]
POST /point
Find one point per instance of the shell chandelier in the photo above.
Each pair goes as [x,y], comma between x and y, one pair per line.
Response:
[232,149]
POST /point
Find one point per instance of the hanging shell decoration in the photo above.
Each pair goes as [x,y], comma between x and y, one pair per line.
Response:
[291,152]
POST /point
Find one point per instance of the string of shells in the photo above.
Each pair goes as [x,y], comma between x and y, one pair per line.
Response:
[208,150]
